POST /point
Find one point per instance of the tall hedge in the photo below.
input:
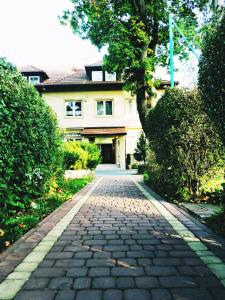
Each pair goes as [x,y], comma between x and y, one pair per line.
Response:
[212,73]
[29,140]
[184,143]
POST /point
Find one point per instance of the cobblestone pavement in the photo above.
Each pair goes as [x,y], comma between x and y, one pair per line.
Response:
[119,246]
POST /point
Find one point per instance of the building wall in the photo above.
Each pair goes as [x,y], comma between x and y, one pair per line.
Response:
[124,115]
[124,109]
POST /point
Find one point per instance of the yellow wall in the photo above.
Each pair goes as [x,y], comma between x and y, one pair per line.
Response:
[124,109]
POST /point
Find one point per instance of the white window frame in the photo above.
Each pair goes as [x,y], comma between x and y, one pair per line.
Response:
[98,73]
[110,74]
[36,77]
[104,107]
[73,116]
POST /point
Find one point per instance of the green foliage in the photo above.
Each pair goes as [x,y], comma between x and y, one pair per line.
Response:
[13,227]
[211,73]
[80,155]
[94,154]
[140,151]
[186,147]
[29,141]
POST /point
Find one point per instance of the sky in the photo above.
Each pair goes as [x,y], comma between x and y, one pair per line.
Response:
[31,34]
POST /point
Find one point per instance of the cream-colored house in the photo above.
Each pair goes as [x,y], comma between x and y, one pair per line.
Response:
[91,105]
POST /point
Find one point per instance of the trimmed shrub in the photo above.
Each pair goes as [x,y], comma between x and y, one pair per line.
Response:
[184,142]
[29,140]
[140,151]
[211,73]
[80,155]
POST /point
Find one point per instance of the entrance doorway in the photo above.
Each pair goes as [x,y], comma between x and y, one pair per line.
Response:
[108,153]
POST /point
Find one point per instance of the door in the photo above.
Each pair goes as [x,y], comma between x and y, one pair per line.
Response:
[108,157]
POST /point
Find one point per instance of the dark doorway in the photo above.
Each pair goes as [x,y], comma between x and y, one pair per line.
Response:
[108,155]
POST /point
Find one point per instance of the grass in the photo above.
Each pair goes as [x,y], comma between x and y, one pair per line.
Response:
[13,226]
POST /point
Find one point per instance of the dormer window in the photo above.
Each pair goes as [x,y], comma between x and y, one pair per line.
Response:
[110,76]
[97,76]
[34,79]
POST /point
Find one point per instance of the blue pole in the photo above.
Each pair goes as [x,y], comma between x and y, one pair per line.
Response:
[171,52]
[186,41]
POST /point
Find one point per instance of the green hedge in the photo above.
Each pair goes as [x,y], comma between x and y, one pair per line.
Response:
[80,155]
[184,144]
[212,73]
[29,141]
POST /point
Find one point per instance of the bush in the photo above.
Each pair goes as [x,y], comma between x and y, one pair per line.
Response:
[184,142]
[81,155]
[29,141]
[94,154]
[211,73]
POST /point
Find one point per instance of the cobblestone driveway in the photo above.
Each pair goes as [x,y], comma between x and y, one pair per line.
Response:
[120,247]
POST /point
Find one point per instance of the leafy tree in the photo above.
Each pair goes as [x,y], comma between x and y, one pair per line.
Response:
[185,144]
[136,35]
[211,72]
[29,140]
[140,151]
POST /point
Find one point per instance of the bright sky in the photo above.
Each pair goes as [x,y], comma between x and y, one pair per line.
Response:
[31,34]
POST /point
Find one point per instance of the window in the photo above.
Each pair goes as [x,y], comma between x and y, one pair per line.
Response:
[110,76]
[104,108]
[97,76]
[73,109]
[34,79]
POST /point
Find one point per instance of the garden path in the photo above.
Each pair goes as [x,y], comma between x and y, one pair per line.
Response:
[115,240]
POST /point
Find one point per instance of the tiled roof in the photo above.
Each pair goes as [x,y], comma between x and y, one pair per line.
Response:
[63,78]
[29,69]
[96,64]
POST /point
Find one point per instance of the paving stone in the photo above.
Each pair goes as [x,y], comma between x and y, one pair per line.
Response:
[82,283]
[77,272]
[146,282]
[208,281]
[126,262]
[135,294]
[89,295]
[35,294]
[177,281]
[103,283]
[161,294]
[100,262]
[83,255]
[99,271]
[119,254]
[36,284]
[68,263]
[140,254]
[102,254]
[60,283]
[59,255]
[167,261]
[191,294]
[161,271]
[113,295]
[49,272]
[114,248]
[134,271]
[65,295]
[125,282]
